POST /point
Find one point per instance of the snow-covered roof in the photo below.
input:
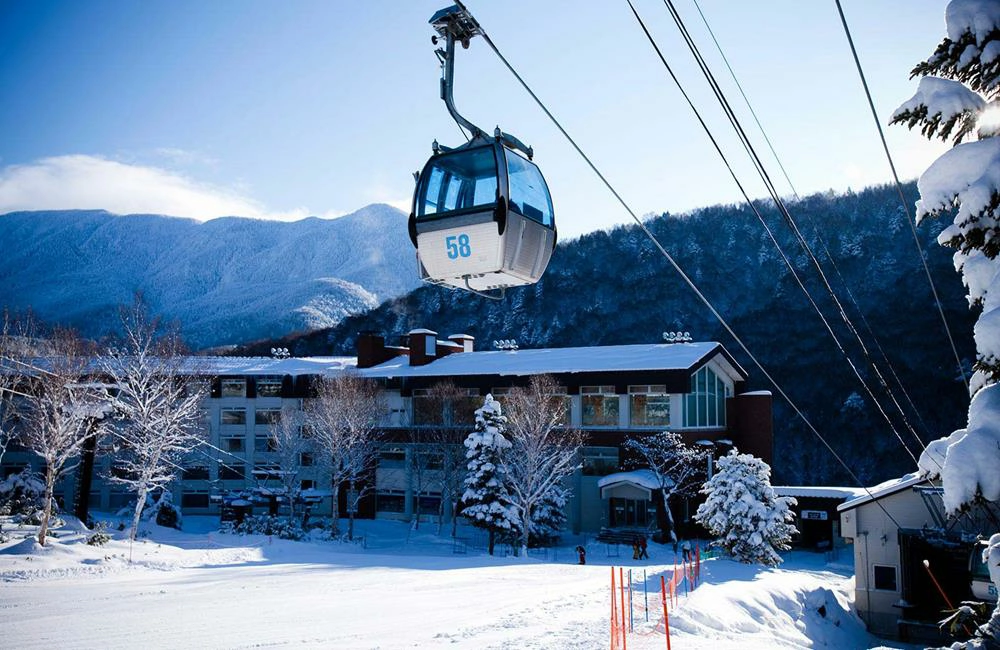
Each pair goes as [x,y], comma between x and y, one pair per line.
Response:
[641,477]
[675,356]
[606,358]
[268,365]
[807,491]
[881,490]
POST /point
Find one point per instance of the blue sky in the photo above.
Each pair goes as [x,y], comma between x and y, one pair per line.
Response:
[283,110]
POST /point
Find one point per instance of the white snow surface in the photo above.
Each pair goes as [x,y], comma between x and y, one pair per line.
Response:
[973,454]
[969,172]
[642,477]
[400,589]
[977,16]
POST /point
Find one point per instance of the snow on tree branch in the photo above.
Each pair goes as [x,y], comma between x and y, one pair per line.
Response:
[938,107]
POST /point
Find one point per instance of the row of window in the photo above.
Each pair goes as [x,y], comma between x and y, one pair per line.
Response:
[648,404]
[266,387]
[239,416]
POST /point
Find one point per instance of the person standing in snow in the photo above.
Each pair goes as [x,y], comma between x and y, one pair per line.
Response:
[582,554]
[686,548]
[635,548]
[643,555]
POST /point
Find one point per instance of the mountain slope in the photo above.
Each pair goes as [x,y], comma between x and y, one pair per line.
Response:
[226,280]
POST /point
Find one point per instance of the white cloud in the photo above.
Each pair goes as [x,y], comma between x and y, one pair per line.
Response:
[91,182]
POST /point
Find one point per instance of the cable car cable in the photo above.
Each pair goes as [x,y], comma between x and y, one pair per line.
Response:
[684,276]
[745,99]
[899,187]
[816,230]
[751,151]
[777,246]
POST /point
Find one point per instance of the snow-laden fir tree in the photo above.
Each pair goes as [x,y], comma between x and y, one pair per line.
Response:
[486,498]
[959,98]
[742,510]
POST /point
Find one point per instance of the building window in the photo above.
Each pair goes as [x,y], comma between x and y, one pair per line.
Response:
[427,504]
[263,444]
[306,459]
[599,461]
[600,406]
[458,408]
[232,472]
[390,501]
[649,405]
[307,484]
[233,388]
[268,387]
[267,416]
[392,458]
[233,445]
[195,473]
[233,416]
[885,577]
[426,408]
[705,405]
[194,499]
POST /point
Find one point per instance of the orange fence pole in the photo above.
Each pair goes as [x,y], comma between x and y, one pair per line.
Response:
[666,616]
[621,586]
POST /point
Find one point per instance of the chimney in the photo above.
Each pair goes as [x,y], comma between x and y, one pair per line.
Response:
[464,340]
[423,347]
[371,349]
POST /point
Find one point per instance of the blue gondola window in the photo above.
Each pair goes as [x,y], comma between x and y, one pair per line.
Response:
[528,194]
[459,181]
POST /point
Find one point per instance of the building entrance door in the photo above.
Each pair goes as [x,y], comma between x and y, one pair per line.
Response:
[631,513]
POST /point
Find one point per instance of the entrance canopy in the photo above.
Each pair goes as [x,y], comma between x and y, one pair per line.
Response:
[637,484]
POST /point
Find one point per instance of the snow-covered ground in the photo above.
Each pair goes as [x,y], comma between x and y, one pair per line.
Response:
[400,589]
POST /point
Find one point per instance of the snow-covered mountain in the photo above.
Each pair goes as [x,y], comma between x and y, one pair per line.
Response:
[225,281]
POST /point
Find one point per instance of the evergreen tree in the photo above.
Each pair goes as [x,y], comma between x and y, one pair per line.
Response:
[548,517]
[957,99]
[486,498]
[743,511]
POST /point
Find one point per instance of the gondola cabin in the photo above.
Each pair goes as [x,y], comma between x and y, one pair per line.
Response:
[482,217]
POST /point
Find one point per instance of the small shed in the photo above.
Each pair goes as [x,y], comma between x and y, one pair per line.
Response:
[816,517]
[911,562]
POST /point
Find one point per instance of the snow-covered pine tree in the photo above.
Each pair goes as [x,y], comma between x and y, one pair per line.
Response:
[548,518]
[486,499]
[752,523]
[958,98]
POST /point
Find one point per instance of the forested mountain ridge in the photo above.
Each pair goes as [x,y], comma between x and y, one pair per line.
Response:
[611,287]
[226,280]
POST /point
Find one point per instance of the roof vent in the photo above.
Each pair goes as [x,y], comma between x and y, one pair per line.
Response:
[677,337]
[505,344]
